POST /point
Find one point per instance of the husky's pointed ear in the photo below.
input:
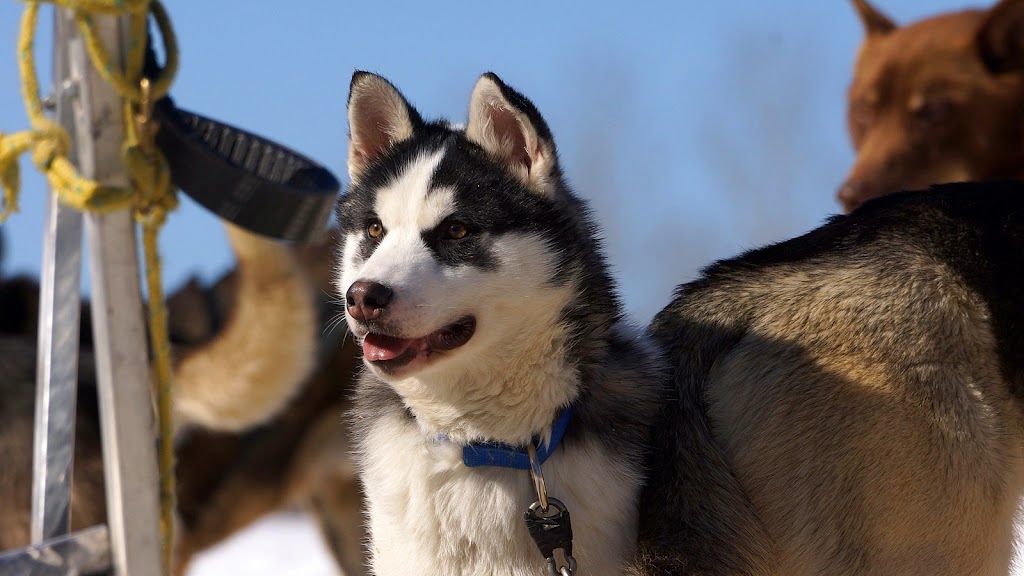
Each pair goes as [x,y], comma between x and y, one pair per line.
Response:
[1000,39]
[875,22]
[507,125]
[378,118]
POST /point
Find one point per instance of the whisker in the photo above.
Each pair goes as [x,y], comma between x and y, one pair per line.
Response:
[333,323]
[332,298]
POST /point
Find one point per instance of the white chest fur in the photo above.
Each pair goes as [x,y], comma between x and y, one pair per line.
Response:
[430,514]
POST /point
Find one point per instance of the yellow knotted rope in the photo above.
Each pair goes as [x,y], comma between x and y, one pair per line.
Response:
[151,196]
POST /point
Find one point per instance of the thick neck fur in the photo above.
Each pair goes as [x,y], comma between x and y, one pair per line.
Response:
[507,392]
[430,514]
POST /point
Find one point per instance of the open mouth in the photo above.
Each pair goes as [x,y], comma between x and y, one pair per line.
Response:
[390,354]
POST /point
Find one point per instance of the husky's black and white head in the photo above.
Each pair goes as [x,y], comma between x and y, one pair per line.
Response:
[472,275]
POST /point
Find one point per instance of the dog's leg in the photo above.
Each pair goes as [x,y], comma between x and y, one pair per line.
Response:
[281,467]
[266,350]
[234,507]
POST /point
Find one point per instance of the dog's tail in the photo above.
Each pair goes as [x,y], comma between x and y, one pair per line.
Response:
[267,349]
[698,519]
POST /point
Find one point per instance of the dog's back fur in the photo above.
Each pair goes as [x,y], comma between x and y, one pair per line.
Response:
[849,402]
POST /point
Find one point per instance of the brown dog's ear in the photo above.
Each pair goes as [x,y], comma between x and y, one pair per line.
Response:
[875,22]
[507,125]
[378,118]
[1000,39]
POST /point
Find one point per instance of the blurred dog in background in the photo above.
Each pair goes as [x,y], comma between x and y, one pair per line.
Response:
[939,100]
[258,403]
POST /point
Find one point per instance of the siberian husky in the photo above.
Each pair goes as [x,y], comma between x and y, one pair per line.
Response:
[476,284]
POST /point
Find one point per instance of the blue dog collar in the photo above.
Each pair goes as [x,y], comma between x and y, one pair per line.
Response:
[506,456]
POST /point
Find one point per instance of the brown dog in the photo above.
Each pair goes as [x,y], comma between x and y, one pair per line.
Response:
[939,100]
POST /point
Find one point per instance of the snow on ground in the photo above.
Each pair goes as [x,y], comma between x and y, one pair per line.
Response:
[289,544]
[282,544]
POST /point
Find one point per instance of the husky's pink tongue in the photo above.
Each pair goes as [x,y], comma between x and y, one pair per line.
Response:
[377,347]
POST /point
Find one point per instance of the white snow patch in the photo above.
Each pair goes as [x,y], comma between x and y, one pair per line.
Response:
[281,544]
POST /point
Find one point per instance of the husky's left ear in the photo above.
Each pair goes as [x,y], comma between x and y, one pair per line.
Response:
[378,118]
[507,125]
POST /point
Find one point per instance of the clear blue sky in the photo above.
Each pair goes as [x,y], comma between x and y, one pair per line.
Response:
[697,129]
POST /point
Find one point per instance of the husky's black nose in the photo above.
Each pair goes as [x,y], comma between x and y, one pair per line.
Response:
[367,300]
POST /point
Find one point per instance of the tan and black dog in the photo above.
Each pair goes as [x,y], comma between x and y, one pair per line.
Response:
[850,401]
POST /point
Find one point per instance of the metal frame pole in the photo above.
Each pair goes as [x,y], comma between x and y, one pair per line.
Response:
[123,377]
[59,311]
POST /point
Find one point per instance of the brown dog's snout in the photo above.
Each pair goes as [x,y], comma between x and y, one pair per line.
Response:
[855,192]
[367,300]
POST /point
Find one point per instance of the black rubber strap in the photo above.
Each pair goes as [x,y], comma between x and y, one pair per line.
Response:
[243,178]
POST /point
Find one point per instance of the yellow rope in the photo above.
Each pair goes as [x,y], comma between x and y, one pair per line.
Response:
[151,196]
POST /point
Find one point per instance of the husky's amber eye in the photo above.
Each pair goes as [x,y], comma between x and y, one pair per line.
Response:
[457,231]
[375,229]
